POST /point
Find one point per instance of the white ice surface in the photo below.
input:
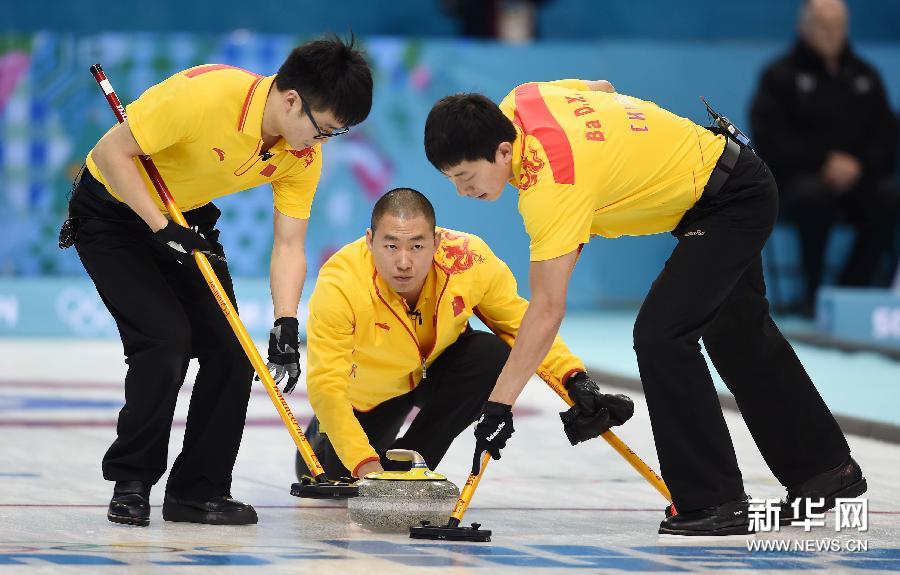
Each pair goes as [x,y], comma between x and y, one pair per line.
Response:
[552,508]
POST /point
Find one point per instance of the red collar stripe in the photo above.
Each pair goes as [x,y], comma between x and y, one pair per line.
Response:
[246,109]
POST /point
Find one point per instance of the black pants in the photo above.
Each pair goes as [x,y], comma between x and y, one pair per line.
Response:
[450,399]
[872,208]
[712,287]
[166,315]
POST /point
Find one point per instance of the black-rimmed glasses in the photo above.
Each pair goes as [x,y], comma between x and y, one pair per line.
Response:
[321,135]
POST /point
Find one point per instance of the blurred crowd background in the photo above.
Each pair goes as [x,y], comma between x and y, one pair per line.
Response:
[51,114]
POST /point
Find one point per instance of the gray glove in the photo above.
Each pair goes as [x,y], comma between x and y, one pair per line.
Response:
[284,352]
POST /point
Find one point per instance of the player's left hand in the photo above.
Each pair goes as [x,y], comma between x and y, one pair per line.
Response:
[493,430]
[593,412]
[284,352]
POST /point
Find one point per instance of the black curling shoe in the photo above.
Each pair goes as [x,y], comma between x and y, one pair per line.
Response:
[728,519]
[844,481]
[130,504]
[220,510]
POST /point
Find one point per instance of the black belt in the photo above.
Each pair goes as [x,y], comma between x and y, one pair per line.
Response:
[723,168]
[97,189]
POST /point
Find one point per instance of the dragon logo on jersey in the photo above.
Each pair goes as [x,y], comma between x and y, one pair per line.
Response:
[530,169]
[306,154]
[457,255]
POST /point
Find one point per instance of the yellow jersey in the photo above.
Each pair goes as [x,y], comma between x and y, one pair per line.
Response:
[203,129]
[363,348]
[595,163]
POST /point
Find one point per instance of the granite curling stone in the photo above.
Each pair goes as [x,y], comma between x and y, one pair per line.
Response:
[394,501]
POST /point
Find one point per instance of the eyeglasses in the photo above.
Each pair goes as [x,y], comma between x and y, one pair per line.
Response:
[322,135]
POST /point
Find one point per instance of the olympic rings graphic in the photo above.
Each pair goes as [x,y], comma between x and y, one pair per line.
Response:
[84,313]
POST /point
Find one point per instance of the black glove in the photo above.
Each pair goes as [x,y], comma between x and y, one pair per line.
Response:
[183,241]
[284,352]
[593,412]
[494,428]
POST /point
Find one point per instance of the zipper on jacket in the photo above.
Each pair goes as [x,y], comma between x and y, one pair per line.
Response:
[437,306]
[415,340]
[437,309]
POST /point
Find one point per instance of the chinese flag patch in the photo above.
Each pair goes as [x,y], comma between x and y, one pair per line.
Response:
[458,305]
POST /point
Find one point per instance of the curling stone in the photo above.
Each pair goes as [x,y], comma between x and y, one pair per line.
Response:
[398,500]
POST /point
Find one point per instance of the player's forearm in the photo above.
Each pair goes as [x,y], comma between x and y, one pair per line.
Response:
[124,178]
[287,273]
[539,327]
[328,397]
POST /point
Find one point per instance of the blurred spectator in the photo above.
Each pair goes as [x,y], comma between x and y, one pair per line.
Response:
[821,120]
[513,21]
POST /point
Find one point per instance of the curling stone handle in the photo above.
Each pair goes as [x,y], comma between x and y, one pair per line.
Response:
[407,455]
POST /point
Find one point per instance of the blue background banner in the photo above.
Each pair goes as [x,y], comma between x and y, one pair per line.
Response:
[70,307]
[51,114]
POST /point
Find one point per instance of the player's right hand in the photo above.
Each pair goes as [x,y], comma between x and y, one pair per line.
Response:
[183,241]
[367,468]
[284,352]
[593,413]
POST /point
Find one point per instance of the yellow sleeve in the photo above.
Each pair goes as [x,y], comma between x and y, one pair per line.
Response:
[557,218]
[502,308]
[329,332]
[166,114]
[293,193]
[572,84]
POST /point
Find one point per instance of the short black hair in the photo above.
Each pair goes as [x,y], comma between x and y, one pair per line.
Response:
[465,127]
[331,75]
[402,203]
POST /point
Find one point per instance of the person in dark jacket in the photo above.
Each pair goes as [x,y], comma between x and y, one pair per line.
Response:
[822,121]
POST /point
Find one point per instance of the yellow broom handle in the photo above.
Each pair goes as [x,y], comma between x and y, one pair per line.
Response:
[281,405]
[630,456]
[467,491]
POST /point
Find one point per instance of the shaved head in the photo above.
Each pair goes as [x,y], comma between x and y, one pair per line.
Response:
[403,203]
